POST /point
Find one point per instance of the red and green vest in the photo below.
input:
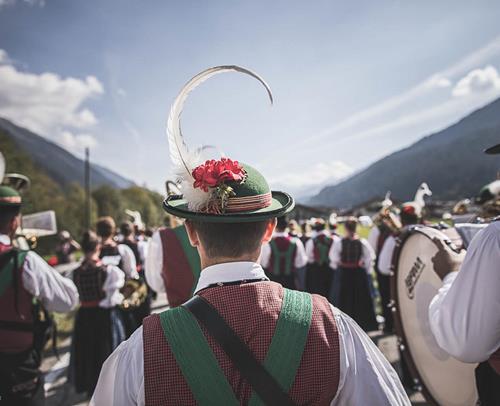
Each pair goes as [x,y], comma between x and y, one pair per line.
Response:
[181,265]
[322,244]
[293,334]
[16,303]
[282,261]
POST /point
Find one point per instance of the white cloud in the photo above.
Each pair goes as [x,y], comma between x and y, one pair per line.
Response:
[310,180]
[47,103]
[386,110]
[76,142]
[4,58]
[39,3]
[478,81]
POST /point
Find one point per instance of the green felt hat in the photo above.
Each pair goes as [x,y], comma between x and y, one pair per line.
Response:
[9,197]
[253,200]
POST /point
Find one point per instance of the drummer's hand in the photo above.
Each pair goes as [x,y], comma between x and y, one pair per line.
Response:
[446,260]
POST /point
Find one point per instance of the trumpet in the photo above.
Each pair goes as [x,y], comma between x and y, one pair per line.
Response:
[386,218]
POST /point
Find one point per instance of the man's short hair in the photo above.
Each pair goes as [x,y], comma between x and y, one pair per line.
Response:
[126,228]
[6,216]
[282,223]
[230,240]
[351,224]
[90,241]
[105,227]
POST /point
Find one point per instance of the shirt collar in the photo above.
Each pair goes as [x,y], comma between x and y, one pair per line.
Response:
[4,239]
[229,272]
[281,234]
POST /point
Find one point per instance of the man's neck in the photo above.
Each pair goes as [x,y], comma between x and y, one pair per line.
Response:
[206,262]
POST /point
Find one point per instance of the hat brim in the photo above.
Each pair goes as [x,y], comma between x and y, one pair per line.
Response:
[495,149]
[281,204]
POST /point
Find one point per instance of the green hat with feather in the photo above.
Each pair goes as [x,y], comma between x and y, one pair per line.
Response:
[218,190]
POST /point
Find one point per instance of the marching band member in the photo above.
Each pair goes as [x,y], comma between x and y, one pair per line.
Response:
[66,248]
[284,257]
[128,239]
[112,253]
[121,256]
[28,286]
[319,274]
[172,264]
[387,240]
[465,314]
[352,258]
[98,327]
[212,349]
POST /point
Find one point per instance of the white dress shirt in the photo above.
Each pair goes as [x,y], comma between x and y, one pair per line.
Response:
[154,263]
[56,293]
[385,255]
[366,377]
[465,314]
[367,255]
[127,258]
[373,237]
[300,259]
[115,280]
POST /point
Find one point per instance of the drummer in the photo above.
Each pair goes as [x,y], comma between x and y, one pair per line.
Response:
[465,314]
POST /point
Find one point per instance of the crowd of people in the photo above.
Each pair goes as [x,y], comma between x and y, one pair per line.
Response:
[262,310]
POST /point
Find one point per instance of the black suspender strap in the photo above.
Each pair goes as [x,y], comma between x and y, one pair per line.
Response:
[262,382]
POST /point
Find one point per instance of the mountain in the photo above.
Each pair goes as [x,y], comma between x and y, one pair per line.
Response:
[451,161]
[63,167]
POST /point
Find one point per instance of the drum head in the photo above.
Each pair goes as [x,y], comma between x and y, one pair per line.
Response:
[444,380]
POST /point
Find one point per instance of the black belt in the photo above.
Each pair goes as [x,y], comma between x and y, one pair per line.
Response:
[252,370]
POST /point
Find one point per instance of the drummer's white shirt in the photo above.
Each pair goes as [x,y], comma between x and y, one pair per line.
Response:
[366,377]
[465,314]
[385,256]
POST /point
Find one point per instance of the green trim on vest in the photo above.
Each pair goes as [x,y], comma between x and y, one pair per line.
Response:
[323,249]
[190,252]
[6,273]
[201,369]
[289,339]
[286,255]
[195,358]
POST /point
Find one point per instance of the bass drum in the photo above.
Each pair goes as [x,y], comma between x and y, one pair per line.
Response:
[442,379]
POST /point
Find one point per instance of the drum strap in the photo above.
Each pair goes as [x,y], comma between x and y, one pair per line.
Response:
[199,366]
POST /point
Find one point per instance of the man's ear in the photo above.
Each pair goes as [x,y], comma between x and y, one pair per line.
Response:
[268,235]
[15,223]
[192,234]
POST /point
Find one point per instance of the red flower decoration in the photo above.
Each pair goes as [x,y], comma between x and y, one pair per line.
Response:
[214,173]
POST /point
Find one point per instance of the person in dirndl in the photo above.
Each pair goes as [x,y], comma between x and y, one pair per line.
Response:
[319,274]
[284,257]
[99,328]
[352,258]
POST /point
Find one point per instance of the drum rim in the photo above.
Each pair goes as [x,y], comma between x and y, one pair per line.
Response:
[398,325]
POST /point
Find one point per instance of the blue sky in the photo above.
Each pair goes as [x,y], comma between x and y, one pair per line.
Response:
[353,81]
